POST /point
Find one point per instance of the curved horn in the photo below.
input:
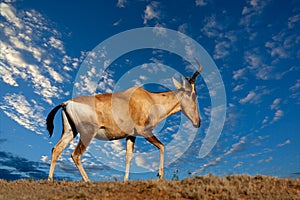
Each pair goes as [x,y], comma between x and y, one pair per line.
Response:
[192,80]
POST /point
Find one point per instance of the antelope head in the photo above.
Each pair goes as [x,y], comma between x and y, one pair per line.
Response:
[188,97]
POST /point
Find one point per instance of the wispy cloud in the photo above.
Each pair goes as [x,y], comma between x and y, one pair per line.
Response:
[117,23]
[269,159]
[235,148]
[151,12]
[27,113]
[250,13]
[212,28]
[92,78]
[215,27]
[275,104]
[255,96]
[293,20]
[284,143]
[147,161]
[265,58]
[201,2]
[222,49]
[209,164]
[262,67]
[294,89]
[239,74]
[251,97]
[159,30]
[32,56]
[31,52]
[9,13]
[253,59]
[239,164]
[278,115]
[296,86]
[121,3]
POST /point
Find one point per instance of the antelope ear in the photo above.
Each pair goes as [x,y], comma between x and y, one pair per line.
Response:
[176,83]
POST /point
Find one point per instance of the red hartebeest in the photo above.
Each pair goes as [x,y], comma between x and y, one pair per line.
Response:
[133,112]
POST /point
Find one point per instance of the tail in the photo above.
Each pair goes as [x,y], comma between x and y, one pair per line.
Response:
[50,118]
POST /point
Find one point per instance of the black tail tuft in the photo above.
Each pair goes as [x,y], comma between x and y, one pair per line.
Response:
[50,118]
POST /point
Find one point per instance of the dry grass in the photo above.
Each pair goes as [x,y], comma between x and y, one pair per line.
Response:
[207,187]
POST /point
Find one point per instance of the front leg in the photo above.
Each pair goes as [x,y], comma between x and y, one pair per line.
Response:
[129,153]
[153,140]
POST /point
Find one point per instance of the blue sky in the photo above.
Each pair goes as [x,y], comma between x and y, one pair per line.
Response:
[254,44]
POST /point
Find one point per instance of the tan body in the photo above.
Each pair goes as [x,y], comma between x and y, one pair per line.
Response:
[120,115]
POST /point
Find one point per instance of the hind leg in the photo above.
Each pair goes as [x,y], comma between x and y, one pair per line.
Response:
[87,131]
[66,138]
[76,156]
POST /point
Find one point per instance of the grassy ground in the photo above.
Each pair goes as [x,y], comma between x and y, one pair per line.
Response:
[207,187]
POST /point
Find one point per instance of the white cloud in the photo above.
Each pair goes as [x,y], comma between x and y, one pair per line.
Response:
[56,43]
[148,163]
[284,143]
[253,59]
[154,69]
[117,145]
[237,146]
[22,53]
[262,70]
[212,28]
[296,86]
[239,74]
[255,96]
[293,20]
[251,12]
[44,159]
[224,40]
[142,77]
[32,55]
[225,44]
[238,88]
[108,81]
[117,23]
[121,3]
[54,74]
[201,2]
[275,104]
[265,73]
[276,49]
[239,164]
[221,49]
[278,115]
[9,13]
[26,113]
[159,30]
[88,83]
[209,164]
[7,75]
[266,160]
[266,119]
[249,98]
[183,28]
[151,12]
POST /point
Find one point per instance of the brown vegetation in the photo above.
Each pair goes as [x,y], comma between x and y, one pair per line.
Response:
[207,187]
